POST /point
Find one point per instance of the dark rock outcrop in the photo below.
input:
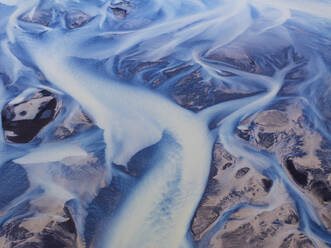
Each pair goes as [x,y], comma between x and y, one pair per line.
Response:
[23,120]
[241,172]
[298,176]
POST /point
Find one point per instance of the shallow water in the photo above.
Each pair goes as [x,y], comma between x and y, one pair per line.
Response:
[152,78]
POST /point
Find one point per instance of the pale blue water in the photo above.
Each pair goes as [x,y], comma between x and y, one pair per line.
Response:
[91,54]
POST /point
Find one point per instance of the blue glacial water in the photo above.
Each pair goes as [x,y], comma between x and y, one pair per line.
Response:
[119,61]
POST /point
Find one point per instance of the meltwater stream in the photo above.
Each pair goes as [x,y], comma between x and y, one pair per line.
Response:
[149,75]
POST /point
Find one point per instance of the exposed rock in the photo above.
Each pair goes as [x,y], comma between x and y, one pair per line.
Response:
[298,176]
[272,119]
[53,215]
[286,134]
[24,117]
[267,184]
[121,3]
[76,19]
[77,121]
[266,139]
[40,16]
[120,8]
[40,230]
[326,216]
[188,88]
[194,93]
[119,12]
[229,184]
[235,55]
[243,133]
[296,240]
[267,228]
[322,190]
[241,172]
[303,152]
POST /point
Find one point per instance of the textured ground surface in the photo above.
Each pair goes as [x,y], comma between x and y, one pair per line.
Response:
[165,124]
